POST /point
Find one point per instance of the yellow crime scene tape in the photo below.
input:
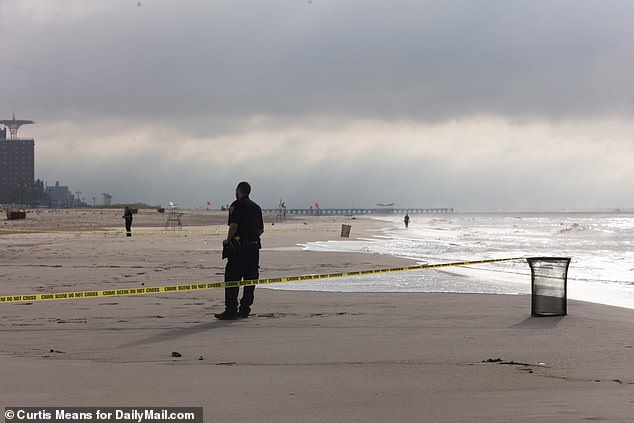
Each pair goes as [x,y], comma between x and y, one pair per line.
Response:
[215,285]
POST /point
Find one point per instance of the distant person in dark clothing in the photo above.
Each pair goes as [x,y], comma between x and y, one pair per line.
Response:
[242,250]
[127,215]
[406,220]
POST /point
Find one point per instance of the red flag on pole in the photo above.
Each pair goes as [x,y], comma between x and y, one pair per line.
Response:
[209,203]
[316,205]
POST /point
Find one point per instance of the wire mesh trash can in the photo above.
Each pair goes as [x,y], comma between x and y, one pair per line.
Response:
[549,285]
[345,231]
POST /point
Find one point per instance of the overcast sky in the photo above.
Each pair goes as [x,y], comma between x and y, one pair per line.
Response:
[473,104]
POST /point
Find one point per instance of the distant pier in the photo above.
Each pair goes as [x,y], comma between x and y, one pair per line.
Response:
[355,211]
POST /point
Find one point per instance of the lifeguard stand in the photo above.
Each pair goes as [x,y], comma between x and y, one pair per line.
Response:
[281,211]
[174,216]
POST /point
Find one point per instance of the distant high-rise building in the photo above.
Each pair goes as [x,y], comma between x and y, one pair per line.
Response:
[107,199]
[17,164]
[60,196]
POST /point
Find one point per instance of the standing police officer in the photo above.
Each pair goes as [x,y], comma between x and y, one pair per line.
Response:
[242,248]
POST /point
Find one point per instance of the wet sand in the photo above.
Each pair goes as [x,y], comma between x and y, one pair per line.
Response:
[302,356]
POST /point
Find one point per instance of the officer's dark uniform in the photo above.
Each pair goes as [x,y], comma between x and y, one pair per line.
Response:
[244,264]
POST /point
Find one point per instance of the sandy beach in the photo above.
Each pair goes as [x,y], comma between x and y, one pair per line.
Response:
[302,356]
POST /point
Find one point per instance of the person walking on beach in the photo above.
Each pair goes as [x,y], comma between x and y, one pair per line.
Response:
[406,220]
[127,215]
[242,250]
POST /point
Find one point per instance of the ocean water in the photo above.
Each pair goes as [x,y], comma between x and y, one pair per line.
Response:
[601,248]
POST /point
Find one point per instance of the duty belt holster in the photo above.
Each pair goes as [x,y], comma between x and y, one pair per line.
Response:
[232,247]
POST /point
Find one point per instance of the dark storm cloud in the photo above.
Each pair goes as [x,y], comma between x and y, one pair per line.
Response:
[425,103]
[362,59]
